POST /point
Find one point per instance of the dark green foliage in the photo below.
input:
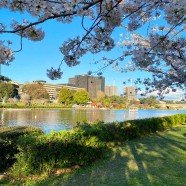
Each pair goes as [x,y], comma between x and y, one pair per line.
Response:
[7,152]
[7,90]
[9,145]
[44,153]
[4,78]
[122,131]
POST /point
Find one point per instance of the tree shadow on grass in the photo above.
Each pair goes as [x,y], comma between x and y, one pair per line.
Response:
[156,160]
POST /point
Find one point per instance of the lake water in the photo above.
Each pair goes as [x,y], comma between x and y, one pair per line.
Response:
[59,119]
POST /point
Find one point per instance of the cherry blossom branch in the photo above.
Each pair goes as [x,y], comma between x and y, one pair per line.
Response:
[95,23]
[99,15]
[82,22]
[111,61]
[182,19]
[64,14]
[21,44]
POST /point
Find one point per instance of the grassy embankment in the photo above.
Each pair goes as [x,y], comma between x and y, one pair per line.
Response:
[20,105]
[158,159]
[34,106]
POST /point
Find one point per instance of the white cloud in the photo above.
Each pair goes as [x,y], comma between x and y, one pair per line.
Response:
[178,95]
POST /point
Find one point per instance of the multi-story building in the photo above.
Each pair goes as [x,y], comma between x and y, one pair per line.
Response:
[91,83]
[52,89]
[130,92]
[111,91]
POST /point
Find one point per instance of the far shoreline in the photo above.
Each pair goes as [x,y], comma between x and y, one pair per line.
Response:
[67,108]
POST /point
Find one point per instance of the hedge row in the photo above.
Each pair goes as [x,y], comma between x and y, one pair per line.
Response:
[122,131]
[9,144]
[44,153]
[81,146]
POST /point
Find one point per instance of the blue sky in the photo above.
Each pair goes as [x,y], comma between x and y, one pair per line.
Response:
[31,63]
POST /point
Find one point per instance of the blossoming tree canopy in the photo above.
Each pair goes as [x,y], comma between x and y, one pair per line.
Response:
[160,50]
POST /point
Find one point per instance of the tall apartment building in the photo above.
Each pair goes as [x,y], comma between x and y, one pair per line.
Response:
[91,83]
[130,92]
[111,91]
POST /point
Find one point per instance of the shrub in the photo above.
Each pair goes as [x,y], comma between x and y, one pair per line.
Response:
[44,153]
[8,144]
[121,131]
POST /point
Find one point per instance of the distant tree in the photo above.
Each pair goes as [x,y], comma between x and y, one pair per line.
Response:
[81,97]
[6,90]
[35,91]
[107,102]
[15,87]
[65,96]
[151,101]
[4,78]
[117,99]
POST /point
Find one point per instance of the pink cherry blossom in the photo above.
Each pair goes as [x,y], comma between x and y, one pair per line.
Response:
[157,48]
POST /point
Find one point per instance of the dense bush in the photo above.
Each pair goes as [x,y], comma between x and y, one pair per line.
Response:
[44,153]
[8,105]
[9,145]
[121,131]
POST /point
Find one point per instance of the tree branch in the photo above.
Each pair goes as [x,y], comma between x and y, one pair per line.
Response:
[64,14]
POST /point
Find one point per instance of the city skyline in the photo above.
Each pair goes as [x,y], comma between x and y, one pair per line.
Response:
[178,95]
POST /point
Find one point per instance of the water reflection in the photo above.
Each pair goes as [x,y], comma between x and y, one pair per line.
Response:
[2,117]
[130,115]
[65,119]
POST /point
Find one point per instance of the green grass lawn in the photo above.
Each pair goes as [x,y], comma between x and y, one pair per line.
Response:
[159,159]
